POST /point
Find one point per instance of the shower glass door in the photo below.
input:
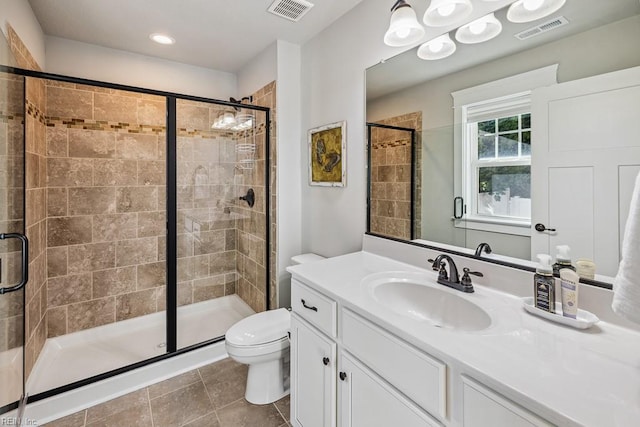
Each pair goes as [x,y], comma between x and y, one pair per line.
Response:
[12,242]
[221,246]
[99,292]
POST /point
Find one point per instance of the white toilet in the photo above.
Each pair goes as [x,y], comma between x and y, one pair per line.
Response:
[262,342]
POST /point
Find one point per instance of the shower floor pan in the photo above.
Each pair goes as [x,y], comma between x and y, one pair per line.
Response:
[79,355]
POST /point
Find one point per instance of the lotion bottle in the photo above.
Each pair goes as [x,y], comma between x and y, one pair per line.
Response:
[569,281]
[544,285]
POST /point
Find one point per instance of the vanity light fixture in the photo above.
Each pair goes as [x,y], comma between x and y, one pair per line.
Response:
[480,30]
[162,38]
[404,28]
[438,48]
[530,10]
[446,12]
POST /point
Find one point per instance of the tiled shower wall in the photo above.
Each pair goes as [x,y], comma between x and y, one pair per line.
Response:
[105,206]
[391,177]
[221,240]
[266,97]
[252,229]
[11,202]
[35,193]
[36,221]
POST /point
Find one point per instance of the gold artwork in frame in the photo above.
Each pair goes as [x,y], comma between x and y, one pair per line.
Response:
[327,149]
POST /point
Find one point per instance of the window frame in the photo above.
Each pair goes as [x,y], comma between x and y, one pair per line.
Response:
[473,163]
[508,94]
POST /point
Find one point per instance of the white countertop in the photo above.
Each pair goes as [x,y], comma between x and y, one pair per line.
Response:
[568,376]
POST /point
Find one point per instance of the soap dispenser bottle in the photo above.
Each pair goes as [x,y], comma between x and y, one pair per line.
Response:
[562,259]
[544,285]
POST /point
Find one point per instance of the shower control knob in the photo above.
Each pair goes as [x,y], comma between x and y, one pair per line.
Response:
[325,361]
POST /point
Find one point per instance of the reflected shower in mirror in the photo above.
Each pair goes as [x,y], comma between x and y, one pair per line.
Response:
[392,205]
[534,127]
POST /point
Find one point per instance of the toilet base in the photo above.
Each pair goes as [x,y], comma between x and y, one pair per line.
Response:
[267,381]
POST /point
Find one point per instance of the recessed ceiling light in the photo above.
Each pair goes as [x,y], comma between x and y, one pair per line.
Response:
[162,38]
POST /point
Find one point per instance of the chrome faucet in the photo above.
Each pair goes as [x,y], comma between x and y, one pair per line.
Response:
[483,247]
[452,279]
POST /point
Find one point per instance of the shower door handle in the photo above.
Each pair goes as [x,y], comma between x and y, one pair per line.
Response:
[25,261]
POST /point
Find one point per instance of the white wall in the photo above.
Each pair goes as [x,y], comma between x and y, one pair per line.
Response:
[18,13]
[72,58]
[333,65]
[259,72]
[290,145]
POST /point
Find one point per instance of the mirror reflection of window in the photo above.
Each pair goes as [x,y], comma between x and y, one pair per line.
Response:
[499,160]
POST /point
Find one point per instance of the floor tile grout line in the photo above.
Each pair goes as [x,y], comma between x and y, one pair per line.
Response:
[174,390]
[206,390]
[279,411]
[230,403]
[150,408]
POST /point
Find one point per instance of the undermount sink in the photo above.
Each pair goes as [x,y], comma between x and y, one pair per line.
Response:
[417,296]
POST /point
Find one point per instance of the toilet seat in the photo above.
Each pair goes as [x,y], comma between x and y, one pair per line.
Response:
[260,329]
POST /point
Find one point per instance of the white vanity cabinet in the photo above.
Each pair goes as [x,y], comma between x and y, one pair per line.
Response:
[365,400]
[345,392]
[484,407]
[313,376]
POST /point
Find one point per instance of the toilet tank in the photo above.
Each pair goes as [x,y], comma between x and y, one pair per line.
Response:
[304,258]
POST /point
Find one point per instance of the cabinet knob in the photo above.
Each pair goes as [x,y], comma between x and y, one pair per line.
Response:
[343,376]
[325,361]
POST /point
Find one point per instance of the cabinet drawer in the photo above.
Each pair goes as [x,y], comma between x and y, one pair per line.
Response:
[314,308]
[419,376]
[483,407]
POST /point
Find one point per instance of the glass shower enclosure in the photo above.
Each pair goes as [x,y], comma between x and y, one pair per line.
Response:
[147,217]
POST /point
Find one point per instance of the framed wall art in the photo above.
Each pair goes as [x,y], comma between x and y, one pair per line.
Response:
[327,149]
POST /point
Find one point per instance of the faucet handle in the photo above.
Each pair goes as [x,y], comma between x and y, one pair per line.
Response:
[466,272]
[465,281]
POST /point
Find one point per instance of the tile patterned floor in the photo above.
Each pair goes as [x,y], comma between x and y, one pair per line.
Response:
[211,396]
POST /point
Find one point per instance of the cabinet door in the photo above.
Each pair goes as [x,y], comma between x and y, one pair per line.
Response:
[483,407]
[313,376]
[367,401]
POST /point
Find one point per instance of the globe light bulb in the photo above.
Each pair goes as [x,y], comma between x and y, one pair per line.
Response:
[436,46]
[403,33]
[531,5]
[447,9]
[478,27]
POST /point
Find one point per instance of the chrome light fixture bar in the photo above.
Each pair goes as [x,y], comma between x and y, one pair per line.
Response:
[404,28]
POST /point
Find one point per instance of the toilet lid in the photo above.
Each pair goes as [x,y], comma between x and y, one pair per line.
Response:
[260,328]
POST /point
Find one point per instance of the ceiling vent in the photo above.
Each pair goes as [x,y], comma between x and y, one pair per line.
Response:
[292,10]
[542,28]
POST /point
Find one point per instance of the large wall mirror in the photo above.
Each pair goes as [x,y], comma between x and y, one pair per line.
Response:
[526,142]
